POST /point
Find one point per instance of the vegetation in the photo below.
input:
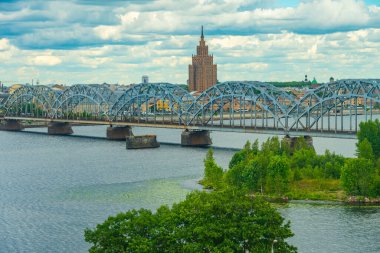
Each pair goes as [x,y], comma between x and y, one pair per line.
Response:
[277,170]
[291,84]
[184,86]
[370,132]
[213,173]
[358,177]
[221,221]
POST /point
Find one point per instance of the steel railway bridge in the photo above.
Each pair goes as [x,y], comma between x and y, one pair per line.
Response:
[332,110]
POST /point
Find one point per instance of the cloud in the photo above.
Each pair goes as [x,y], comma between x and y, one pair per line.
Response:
[38,24]
[118,41]
[94,62]
[45,60]
[4,44]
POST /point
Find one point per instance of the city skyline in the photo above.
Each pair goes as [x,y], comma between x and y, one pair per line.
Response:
[91,42]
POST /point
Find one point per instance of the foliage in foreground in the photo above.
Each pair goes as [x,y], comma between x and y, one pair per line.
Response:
[223,221]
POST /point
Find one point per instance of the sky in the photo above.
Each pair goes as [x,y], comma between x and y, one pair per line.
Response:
[118,41]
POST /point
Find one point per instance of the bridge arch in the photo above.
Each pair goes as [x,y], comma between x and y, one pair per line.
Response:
[30,101]
[249,103]
[153,103]
[342,98]
[90,102]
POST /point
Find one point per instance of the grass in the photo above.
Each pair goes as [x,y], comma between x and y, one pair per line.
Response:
[317,189]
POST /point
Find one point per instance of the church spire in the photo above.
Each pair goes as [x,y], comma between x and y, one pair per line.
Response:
[202,33]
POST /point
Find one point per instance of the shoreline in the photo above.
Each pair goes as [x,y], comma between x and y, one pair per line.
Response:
[350,201]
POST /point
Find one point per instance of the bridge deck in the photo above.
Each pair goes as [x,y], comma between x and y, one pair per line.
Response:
[219,128]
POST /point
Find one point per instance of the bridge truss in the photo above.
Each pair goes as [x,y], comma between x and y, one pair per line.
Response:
[332,107]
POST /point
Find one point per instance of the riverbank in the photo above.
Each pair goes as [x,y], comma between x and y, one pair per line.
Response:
[326,190]
[317,191]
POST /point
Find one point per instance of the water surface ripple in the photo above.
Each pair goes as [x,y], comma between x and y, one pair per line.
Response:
[52,188]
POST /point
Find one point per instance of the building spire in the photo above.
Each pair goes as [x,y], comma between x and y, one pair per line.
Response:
[202,33]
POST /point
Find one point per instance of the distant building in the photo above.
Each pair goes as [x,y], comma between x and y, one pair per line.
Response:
[202,71]
[331,79]
[314,83]
[58,87]
[14,87]
[145,79]
[306,80]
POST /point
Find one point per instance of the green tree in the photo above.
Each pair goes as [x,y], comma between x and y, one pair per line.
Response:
[370,130]
[255,147]
[331,163]
[271,146]
[223,221]
[301,144]
[303,157]
[234,176]
[241,155]
[364,150]
[358,177]
[255,173]
[213,173]
[278,175]
[126,232]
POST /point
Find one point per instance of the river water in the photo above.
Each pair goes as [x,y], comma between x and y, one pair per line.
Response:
[52,188]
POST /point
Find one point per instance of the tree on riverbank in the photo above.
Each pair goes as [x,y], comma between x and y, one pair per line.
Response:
[370,131]
[359,177]
[213,173]
[224,221]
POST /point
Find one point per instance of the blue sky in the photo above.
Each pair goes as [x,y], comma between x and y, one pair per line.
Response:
[83,41]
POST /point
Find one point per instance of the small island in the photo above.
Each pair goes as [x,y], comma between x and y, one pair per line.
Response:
[281,172]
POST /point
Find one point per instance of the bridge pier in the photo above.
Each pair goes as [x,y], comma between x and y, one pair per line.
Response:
[60,128]
[293,140]
[195,138]
[11,125]
[142,141]
[119,133]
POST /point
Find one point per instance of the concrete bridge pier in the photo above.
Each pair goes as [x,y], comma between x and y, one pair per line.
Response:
[293,140]
[196,138]
[119,133]
[11,125]
[60,128]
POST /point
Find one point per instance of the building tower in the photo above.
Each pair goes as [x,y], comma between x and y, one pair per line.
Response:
[203,71]
[145,79]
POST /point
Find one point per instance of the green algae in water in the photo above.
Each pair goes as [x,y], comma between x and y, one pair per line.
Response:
[146,193]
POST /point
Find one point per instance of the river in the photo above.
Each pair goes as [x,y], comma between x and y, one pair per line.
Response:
[52,188]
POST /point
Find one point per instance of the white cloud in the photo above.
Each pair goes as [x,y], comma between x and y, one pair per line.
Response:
[107,32]
[45,60]
[4,44]
[94,62]
[250,40]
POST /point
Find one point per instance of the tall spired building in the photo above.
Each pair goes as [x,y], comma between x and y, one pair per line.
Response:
[202,73]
